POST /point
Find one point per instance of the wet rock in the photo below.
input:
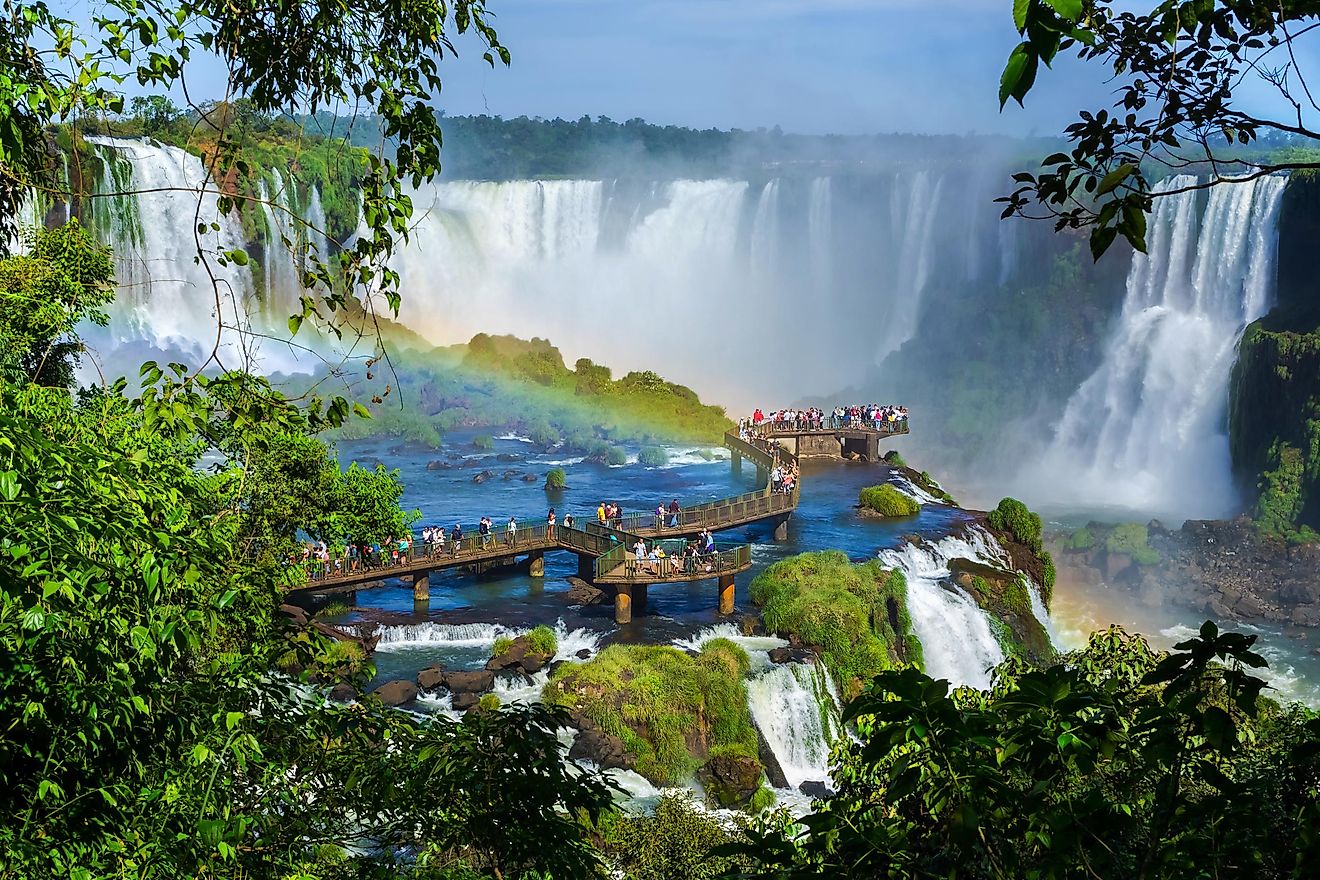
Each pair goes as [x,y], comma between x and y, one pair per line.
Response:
[474,682]
[583,654]
[436,464]
[482,477]
[518,658]
[296,615]
[1306,615]
[773,771]
[731,779]
[508,456]
[792,655]
[529,478]
[815,790]
[465,701]
[431,678]
[606,751]
[396,693]
[582,593]
[343,693]
[509,475]
[751,625]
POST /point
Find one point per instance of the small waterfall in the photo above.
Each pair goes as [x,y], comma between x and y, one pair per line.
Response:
[763,249]
[820,233]
[913,209]
[797,709]
[955,633]
[753,645]
[475,635]
[1147,431]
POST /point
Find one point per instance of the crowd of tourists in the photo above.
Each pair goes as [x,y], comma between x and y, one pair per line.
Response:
[888,417]
[693,558]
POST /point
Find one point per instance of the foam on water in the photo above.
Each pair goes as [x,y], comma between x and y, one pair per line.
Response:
[796,707]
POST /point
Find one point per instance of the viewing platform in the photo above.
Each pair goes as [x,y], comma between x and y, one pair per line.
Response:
[604,550]
[856,440]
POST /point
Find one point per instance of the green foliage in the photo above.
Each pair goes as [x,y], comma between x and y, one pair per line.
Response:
[657,698]
[488,703]
[857,614]
[62,280]
[894,459]
[1131,539]
[334,608]
[888,501]
[556,479]
[616,456]
[501,646]
[653,456]
[1012,516]
[673,843]
[541,640]
[483,442]
[1115,762]
[1081,540]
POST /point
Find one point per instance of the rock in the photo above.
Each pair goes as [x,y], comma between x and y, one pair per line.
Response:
[793,655]
[508,456]
[465,701]
[1115,565]
[751,625]
[436,464]
[343,693]
[606,751]
[1306,615]
[396,693]
[518,658]
[582,593]
[731,779]
[295,614]
[773,771]
[529,478]
[509,475]
[482,477]
[533,663]
[431,678]
[475,682]
[583,654]
[815,790]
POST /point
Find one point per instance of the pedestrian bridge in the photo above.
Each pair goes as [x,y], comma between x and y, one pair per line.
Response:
[604,550]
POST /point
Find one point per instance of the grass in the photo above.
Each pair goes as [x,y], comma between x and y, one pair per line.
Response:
[555,479]
[1081,540]
[501,647]
[335,608]
[888,501]
[1013,516]
[660,700]
[542,640]
[857,614]
[653,456]
[1131,539]
[483,442]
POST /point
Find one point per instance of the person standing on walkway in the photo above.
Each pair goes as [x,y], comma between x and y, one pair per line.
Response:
[674,511]
[511,532]
[550,525]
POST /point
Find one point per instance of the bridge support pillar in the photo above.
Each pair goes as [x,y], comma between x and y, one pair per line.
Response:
[762,476]
[737,463]
[586,567]
[422,587]
[536,564]
[726,594]
[872,447]
[623,604]
[639,597]
[781,530]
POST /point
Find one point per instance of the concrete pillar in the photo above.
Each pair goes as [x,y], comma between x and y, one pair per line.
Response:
[872,447]
[726,594]
[422,587]
[781,530]
[623,604]
[586,567]
[762,476]
[737,462]
[536,564]
[639,597]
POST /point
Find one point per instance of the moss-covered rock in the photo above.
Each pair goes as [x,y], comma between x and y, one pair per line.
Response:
[886,501]
[1004,596]
[1021,533]
[653,456]
[673,712]
[855,613]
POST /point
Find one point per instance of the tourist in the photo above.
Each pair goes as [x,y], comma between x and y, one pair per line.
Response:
[710,542]
[639,550]
[600,513]
[674,511]
[568,520]
[456,538]
[659,517]
[439,533]
[511,532]
[550,525]
[483,529]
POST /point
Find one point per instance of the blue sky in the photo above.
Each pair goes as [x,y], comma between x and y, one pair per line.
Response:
[815,66]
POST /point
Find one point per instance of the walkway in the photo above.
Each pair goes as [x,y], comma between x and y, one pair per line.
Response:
[605,551]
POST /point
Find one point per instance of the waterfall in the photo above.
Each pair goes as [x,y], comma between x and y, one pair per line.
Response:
[763,250]
[1147,431]
[796,707]
[956,638]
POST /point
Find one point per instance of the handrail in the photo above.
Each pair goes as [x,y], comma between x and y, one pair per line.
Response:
[678,564]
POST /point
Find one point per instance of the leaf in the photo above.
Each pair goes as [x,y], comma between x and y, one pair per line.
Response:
[1069,9]
[295,323]
[1115,177]
[1020,8]
[1019,74]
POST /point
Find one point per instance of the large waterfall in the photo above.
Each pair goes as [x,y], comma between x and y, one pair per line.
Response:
[733,286]
[1147,431]
[795,705]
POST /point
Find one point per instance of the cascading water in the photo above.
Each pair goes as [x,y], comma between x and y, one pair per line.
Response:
[956,638]
[796,707]
[1147,431]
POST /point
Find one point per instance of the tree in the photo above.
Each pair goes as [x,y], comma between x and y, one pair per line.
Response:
[155,112]
[62,280]
[1116,762]
[1178,72]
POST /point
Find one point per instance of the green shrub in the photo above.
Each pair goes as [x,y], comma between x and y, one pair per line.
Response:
[488,703]
[1130,539]
[556,479]
[849,610]
[656,698]
[483,442]
[893,459]
[541,640]
[673,843]
[334,608]
[653,456]
[888,501]
[616,456]
[501,646]
[1080,540]
[542,434]
[1012,516]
